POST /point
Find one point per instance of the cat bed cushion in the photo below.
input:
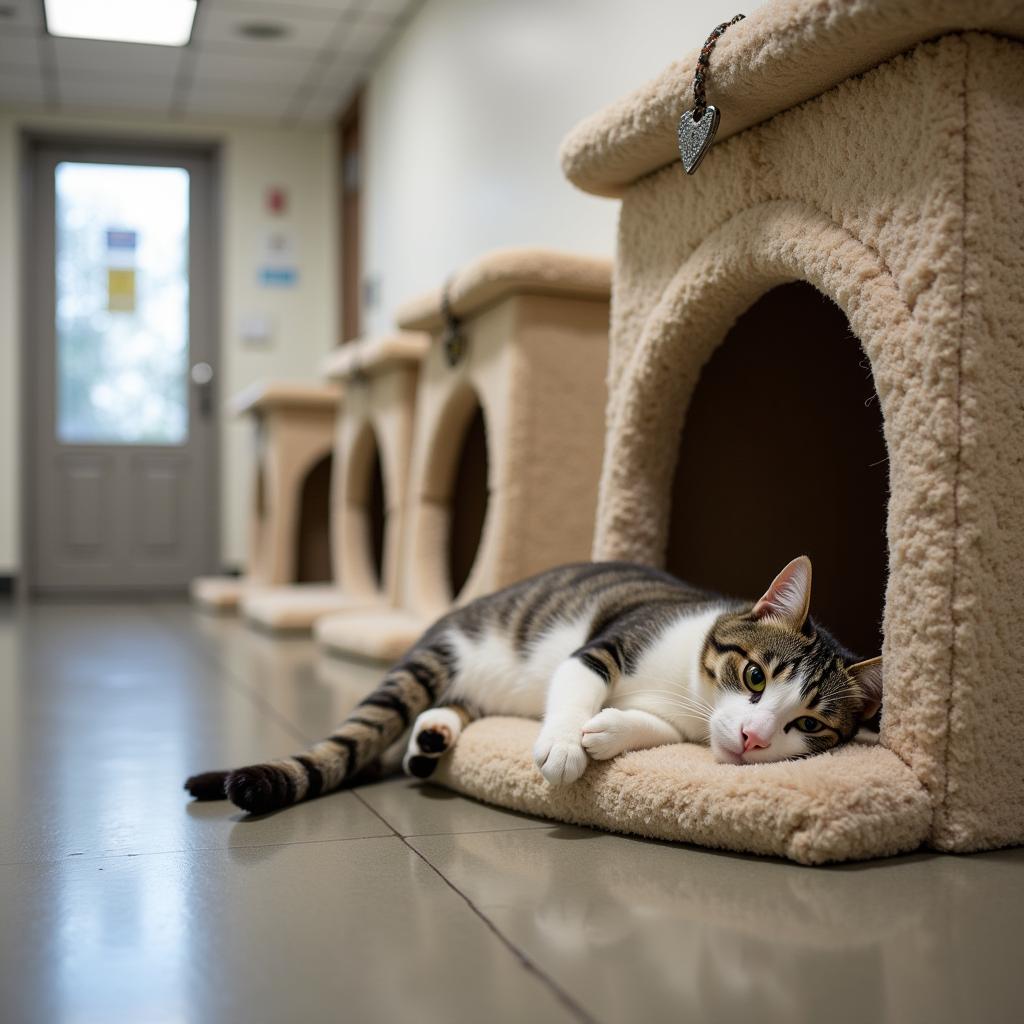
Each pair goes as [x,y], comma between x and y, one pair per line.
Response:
[860,801]
[296,607]
[217,593]
[382,634]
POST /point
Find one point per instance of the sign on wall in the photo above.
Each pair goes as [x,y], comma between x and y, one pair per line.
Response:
[121,246]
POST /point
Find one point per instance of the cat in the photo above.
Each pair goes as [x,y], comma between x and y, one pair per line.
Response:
[613,657]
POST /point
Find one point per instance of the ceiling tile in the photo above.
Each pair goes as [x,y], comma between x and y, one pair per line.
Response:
[215,66]
[268,104]
[366,36]
[18,49]
[115,92]
[343,70]
[300,8]
[24,86]
[99,57]
[330,98]
[392,8]
[27,14]
[309,30]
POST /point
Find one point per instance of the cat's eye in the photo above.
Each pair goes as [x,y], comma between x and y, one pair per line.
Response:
[753,678]
[807,724]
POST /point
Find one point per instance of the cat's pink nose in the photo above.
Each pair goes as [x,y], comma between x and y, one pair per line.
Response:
[755,738]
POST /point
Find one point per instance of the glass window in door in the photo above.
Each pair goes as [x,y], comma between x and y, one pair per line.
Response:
[122,304]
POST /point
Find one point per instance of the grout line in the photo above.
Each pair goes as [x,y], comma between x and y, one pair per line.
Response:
[556,990]
[128,855]
[525,962]
[373,810]
[209,655]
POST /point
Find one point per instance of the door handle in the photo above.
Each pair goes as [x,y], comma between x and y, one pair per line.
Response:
[202,377]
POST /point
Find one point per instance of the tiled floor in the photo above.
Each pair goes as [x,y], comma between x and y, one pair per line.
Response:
[122,901]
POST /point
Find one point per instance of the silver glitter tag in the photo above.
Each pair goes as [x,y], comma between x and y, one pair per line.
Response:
[695,137]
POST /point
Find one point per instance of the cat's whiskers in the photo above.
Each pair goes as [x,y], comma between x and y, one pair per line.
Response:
[684,695]
[677,699]
[844,691]
[679,707]
[677,685]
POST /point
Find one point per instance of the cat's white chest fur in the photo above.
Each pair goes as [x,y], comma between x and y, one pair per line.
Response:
[667,680]
[496,679]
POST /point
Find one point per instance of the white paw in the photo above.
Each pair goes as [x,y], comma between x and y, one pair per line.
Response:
[560,758]
[435,731]
[433,735]
[606,734]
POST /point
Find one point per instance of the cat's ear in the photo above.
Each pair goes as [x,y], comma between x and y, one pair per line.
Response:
[868,674]
[788,600]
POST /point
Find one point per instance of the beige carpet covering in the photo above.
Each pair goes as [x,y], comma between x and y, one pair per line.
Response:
[784,53]
[378,376]
[900,195]
[488,508]
[535,323]
[293,425]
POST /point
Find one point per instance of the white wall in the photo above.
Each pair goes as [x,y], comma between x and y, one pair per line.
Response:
[252,158]
[465,115]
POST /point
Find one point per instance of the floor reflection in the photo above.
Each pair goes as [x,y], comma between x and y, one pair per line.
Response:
[717,936]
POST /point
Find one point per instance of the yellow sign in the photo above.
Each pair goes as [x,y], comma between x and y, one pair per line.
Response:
[120,290]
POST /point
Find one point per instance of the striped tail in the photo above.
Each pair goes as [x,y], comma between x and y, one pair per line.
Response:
[377,722]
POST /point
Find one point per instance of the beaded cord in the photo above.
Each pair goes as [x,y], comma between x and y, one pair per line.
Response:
[700,100]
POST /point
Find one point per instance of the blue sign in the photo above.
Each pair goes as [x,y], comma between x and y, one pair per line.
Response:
[121,239]
[278,277]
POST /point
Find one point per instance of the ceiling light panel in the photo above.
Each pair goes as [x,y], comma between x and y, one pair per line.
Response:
[160,22]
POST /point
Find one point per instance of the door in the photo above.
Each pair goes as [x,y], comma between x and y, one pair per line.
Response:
[122,361]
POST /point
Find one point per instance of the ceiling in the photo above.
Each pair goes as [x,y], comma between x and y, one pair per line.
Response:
[306,75]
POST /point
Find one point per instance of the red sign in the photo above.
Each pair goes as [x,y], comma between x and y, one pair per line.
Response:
[277,199]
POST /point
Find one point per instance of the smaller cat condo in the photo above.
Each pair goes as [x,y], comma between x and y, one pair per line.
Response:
[507,440]
[292,440]
[818,347]
[372,442]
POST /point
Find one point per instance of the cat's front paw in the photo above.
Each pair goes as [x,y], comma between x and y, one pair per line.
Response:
[606,735]
[560,758]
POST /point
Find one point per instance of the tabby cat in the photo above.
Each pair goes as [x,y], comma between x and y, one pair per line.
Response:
[615,657]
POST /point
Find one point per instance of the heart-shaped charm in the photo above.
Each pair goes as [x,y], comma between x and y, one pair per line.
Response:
[695,137]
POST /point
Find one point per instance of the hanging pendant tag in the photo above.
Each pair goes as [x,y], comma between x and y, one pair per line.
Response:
[695,137]
[454,342]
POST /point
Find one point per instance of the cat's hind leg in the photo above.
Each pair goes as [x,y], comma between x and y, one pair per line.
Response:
[434,733]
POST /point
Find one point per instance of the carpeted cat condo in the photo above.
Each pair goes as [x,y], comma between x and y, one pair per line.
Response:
[507,441]
[818,346]
[371,458]
[293,431]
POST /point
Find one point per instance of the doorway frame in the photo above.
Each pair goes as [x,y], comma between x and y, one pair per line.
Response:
[30,142]
[351,159]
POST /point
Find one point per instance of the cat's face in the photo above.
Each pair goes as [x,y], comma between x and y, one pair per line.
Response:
[783,688]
